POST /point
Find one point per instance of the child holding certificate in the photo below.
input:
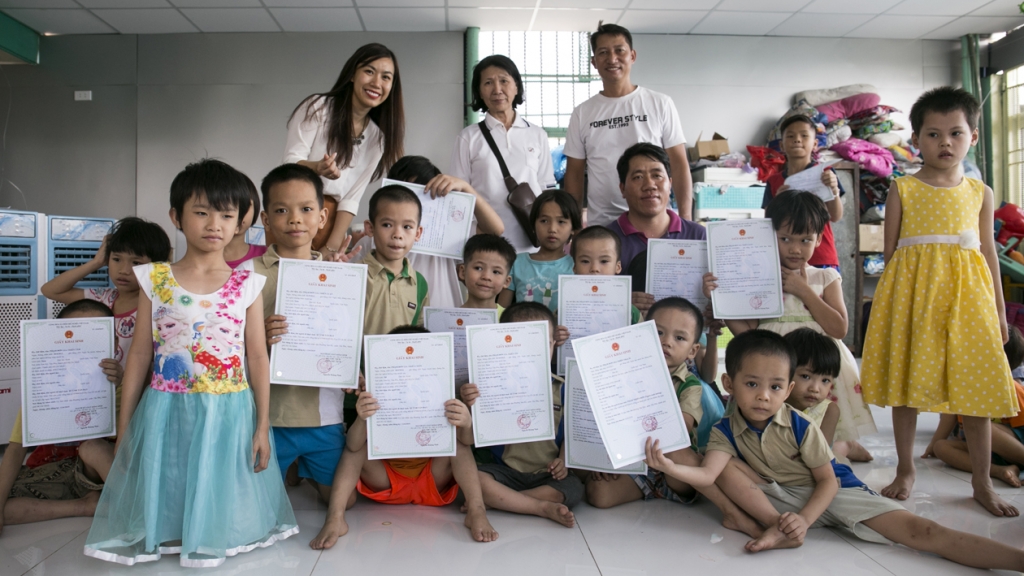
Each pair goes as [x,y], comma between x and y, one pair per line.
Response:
[131,242]
[813,298]
[774,463]
[486,270]
[187,475]
[67,481]
[555,217]
[531,477]
[595,252]
[423,481]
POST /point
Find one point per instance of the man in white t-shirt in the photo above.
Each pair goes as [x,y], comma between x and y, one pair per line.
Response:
[623,114]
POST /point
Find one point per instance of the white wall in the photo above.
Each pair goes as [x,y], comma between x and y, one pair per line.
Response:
[739,86]
[162,101]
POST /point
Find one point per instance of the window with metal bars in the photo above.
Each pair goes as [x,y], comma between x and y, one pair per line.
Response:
[556,72]
[1013,98]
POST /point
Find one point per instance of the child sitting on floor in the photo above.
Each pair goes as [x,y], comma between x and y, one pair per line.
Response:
[774,463]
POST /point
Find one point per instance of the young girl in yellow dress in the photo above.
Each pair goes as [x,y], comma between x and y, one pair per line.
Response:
[935,339]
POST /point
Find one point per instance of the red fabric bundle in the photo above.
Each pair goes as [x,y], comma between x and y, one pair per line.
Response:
[766,160]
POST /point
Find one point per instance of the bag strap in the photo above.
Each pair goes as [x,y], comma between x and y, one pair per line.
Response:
[510,182]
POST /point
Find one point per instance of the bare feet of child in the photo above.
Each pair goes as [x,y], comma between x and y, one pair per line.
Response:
[1008,474]
[559,513]
[479,526]
[772,539]
[857,452]
[901,485]
[333,529]
[742,523]
[987,497]
[291,476]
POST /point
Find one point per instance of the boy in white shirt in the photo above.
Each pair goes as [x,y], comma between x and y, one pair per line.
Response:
[621,115]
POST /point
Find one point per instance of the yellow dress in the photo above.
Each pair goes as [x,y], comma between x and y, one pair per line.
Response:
[933,340]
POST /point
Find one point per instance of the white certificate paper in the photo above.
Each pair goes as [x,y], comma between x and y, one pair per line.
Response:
[455,320]
[744,256]
[323,303]
[511,364]
[631,392]
[677,268]
[447,221]
[411,376]
[65,396]
[584,449]
[589,305]
[809,180]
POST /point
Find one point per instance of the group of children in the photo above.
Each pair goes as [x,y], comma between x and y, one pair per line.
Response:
[199,464]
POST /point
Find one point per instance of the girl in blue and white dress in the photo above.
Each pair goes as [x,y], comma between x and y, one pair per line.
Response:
[194,474]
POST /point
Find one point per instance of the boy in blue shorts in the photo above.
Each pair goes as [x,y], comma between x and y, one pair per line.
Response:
[531,477]
[307,421]
[775,464]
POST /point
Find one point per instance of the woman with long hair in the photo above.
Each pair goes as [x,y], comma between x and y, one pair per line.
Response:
[350,135]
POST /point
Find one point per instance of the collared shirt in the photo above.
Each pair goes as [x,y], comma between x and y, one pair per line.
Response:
[392,300]
[524,148]
[634,241]
[689,390]
[601,129]
[307,140]
[295,406]
[773,453]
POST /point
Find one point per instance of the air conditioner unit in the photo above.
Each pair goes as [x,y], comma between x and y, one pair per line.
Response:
[22,265]
[71,242]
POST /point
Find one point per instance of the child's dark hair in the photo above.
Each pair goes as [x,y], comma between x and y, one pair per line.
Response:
[796,118]
[136,236]
[1014,348]
[413,169]
[526,312]
[224,187]
[803,211]
[567,203]
[396,194]
[596,233]
[683,305]
[254,202]
[647,150]
[409,329]
[490,243]
[86,306]
[289,173]
[945,99]
[609,30]
[817,352]
[758,342]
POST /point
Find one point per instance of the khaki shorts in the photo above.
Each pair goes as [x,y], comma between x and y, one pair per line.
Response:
[61,480]
[849,509]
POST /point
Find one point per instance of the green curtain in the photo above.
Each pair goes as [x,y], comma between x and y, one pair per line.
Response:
[972,82]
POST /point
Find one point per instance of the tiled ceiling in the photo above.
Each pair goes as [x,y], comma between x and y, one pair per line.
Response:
[903,19]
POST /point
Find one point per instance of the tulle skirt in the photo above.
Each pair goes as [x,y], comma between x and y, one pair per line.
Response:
[183,483]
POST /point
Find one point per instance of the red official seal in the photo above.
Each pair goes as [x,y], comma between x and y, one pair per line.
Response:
[524,421]
[323,277]
[650,423]
[69,334]
[324,365]
[682,252]
[756,302]
[423,437]
[508,338]
[409,349]
[743,232]
[593,288]
[615,346]
[459,322]
[83,419]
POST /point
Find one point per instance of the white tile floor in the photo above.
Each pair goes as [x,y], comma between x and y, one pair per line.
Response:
[638,539]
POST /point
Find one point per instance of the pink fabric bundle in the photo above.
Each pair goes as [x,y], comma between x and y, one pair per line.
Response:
[848,106]
[871,157]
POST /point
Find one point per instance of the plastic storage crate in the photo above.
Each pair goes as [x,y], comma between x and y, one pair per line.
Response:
[727,196]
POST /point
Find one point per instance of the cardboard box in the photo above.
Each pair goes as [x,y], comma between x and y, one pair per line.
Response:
[872,238]
[710,149]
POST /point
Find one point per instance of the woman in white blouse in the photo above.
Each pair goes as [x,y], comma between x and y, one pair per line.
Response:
[350,135]
[498,89]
